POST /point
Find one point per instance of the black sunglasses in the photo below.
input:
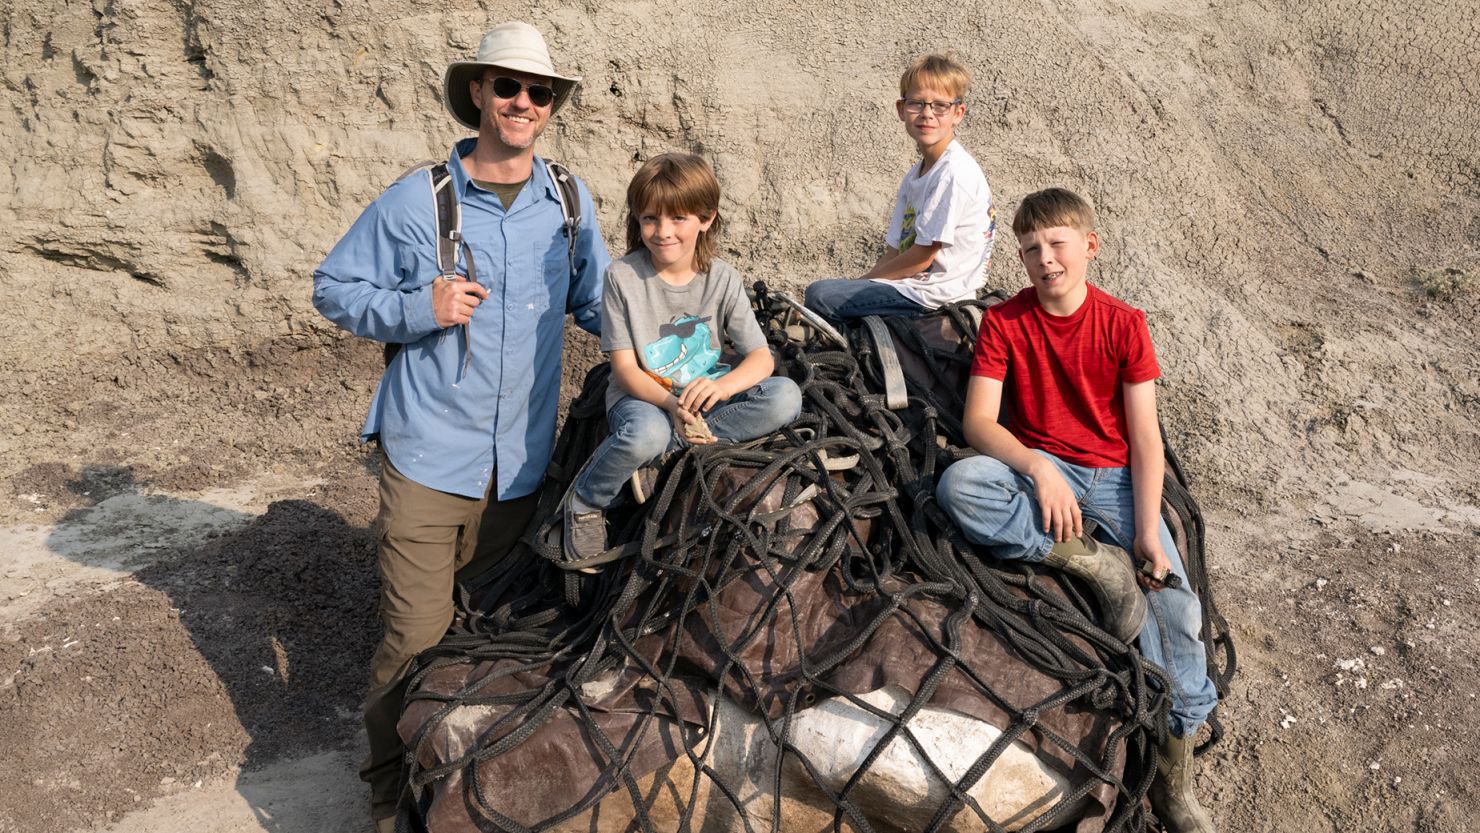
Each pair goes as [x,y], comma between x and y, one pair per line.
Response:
[539,94]
[682,329]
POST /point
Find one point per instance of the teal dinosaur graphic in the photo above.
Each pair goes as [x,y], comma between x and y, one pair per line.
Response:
[683,352]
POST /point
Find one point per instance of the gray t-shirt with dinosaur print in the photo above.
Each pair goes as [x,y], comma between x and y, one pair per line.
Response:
[677,332]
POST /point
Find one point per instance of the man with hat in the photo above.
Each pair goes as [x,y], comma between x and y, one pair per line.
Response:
[465,412]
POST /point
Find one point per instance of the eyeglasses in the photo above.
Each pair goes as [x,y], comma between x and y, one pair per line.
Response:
[914,106]
[540,95]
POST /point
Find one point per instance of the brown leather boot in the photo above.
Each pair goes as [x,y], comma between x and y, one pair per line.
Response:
[1107,571]
[1171,790]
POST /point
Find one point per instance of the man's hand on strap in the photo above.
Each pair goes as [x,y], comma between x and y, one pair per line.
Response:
[454,298]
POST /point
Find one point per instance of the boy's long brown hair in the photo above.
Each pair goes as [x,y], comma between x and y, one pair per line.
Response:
[675,183]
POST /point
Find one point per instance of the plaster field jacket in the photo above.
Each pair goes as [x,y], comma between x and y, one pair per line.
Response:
[446,419]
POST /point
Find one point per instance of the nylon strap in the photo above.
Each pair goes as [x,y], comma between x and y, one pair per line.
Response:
[896,395]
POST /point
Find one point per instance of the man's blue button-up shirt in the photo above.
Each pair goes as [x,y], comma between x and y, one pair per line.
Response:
[442,427]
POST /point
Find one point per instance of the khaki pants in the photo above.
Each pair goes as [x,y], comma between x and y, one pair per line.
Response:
[427,539]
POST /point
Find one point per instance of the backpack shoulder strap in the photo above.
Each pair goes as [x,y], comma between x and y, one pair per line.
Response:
[570,205]
[419,166]
[447,218]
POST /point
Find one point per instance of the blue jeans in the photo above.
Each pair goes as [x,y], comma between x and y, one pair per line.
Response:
[641,433]
[995,507]
[841,299]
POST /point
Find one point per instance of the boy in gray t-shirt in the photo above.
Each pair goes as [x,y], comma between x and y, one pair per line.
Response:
[675,331]
[668,308]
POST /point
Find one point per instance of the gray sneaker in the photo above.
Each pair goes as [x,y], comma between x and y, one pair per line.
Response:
[585,532]
[1107,571]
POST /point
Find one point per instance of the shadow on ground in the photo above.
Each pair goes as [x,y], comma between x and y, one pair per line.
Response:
[244,643]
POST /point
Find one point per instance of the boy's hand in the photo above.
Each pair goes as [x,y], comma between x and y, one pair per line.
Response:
[702,394]
[1061,518]
[1149,549]
[683,417]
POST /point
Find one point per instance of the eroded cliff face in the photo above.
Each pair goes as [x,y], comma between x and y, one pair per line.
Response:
[1271,182]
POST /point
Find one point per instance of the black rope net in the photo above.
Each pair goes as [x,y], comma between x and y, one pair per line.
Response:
[775,575]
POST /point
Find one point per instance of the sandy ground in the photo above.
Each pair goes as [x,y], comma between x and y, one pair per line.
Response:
[184,659]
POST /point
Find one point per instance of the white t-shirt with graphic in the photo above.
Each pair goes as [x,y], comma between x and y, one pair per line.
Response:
[951,205]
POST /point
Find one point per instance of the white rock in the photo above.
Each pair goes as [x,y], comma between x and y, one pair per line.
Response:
[836,736]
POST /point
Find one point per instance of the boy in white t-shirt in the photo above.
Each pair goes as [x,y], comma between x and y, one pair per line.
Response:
[940,235]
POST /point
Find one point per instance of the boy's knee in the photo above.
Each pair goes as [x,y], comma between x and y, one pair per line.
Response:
[809,296]
[972,476]
[1183,611]
[785,396]
[647,436]
[817,296]
[979,470]
[948,489]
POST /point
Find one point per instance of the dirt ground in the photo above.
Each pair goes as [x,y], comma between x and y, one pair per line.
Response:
[172,650]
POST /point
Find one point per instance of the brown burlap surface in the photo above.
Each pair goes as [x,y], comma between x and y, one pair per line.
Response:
[560,764]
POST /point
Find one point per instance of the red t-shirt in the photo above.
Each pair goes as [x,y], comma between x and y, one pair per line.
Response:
[1062,375]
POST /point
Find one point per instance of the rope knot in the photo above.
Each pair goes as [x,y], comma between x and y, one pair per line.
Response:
[1103,697]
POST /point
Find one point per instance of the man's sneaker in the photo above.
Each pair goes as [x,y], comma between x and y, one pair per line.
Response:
[585,529]
[1107,571]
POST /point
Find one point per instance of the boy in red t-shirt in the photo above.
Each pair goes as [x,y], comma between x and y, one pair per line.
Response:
[1083,455]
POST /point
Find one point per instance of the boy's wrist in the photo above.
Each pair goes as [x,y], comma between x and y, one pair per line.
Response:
[1149,532]
[1038,466]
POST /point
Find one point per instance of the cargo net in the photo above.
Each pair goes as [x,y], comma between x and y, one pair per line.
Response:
[761,584]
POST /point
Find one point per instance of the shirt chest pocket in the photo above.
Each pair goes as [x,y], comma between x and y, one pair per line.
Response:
[549,290]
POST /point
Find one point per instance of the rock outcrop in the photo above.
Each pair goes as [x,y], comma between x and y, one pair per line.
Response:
[1270,180]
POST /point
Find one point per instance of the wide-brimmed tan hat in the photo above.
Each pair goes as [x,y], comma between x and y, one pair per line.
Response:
[514,45]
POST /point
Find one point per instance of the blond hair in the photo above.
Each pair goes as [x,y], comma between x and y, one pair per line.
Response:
[1053,207]
[936,72]
[675,183]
